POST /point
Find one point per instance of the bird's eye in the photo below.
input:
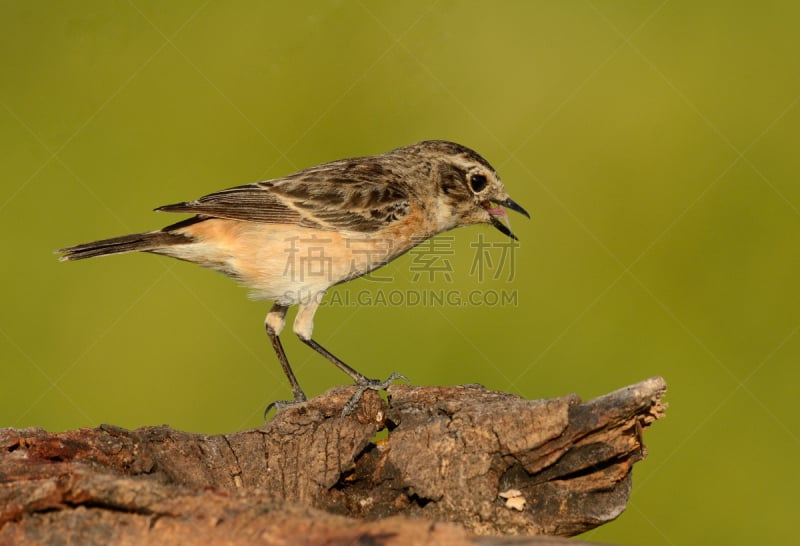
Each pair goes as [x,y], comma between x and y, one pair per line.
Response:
[477,182]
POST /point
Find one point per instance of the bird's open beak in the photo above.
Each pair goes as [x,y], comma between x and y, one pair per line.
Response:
[499,211]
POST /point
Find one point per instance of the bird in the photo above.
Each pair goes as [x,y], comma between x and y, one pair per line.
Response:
[290,239]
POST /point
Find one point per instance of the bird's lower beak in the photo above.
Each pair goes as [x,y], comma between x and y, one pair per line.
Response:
[500,212]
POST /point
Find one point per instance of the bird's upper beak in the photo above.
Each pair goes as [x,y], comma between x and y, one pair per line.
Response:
[499,211]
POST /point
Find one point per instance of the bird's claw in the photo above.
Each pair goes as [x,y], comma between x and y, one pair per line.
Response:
[362,386]
[370,385]
[281,405]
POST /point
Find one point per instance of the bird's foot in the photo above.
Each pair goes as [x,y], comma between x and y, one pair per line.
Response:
[369,385]
[281,405]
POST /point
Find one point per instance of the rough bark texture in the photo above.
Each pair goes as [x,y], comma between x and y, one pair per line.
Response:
[475,461]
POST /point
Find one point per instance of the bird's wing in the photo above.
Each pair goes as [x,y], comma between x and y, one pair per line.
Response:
[250,202]
[342,195]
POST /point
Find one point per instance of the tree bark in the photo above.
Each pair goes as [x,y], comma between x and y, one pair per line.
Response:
[458,462]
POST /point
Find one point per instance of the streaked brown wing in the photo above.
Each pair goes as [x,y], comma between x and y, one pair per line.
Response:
[249,202]
[339,195]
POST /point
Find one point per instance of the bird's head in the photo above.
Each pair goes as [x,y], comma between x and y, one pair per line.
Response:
[468,190]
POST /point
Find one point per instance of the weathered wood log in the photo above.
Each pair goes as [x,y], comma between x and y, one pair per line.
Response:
[476,461]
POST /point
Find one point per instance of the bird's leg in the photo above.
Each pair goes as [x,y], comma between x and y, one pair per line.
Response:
[303,326]
[363,383]
[274,322]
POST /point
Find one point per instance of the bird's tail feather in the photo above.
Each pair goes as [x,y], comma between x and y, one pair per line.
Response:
[141,242]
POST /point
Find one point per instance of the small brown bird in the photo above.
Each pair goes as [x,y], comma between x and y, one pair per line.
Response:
[292,238]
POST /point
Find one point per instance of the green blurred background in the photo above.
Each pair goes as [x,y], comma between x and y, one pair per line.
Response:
[655,144]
